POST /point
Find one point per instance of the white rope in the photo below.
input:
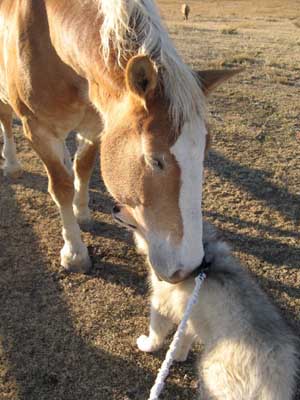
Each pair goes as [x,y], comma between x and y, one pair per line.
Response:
[164,370]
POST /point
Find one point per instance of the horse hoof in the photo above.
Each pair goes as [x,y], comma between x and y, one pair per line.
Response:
[12,171]
[75,262]
[85,224]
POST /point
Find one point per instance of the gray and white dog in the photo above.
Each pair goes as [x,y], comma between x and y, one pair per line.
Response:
[250,353]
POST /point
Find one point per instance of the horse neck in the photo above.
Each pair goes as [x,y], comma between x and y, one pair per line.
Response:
[75,34]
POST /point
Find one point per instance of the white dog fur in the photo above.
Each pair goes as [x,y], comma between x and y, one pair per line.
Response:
[250,353]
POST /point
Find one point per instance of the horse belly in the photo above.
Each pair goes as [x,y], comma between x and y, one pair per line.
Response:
[33,78]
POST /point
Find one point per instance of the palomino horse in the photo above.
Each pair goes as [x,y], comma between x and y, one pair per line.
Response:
[185,11]
[108,70]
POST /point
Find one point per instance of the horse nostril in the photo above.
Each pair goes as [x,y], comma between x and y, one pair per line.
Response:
[176,277]
[116,209]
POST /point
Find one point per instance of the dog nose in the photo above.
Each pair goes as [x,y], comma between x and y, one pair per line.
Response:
[116,209]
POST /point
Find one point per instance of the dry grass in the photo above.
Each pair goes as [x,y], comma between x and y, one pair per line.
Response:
[229,31]
[72,337]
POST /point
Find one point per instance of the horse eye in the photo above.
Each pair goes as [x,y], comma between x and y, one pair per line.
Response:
[154,162]
[158,163]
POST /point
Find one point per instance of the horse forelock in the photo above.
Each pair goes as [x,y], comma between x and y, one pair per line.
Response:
[135,27]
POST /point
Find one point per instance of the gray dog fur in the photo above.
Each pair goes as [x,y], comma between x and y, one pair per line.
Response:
[250,353]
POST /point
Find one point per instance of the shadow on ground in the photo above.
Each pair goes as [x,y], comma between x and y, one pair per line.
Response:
[257,184]
[45,354]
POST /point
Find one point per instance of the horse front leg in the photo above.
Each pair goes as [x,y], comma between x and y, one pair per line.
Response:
[83,167]
[51,149]
[90,129]
[12,167]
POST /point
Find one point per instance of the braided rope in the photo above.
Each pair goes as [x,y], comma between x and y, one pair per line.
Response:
[165,368]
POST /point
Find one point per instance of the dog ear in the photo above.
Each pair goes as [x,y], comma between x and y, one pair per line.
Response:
[211,79]
[141,77]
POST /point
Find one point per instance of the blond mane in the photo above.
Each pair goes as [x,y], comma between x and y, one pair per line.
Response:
[135,27]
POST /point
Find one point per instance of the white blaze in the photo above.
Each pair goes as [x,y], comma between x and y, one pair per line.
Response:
[189,153]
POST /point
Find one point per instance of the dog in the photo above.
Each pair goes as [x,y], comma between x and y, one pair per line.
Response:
[250,353]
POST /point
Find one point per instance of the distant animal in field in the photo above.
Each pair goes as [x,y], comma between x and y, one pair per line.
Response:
[250,353]
[185,10]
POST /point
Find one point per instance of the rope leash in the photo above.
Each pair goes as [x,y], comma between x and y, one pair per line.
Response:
[165,368]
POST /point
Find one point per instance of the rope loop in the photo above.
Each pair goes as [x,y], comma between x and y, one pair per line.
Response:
[166,365]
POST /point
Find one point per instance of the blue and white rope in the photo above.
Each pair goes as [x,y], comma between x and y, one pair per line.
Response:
[164,370]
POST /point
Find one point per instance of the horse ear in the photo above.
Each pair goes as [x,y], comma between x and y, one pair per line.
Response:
[141,77]
[211,79]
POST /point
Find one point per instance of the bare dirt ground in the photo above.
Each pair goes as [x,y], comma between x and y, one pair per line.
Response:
[72,337]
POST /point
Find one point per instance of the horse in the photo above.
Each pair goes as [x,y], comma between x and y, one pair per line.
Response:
[109,71]
[185,11]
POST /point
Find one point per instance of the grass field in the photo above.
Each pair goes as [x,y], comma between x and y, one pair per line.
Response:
[72,337]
